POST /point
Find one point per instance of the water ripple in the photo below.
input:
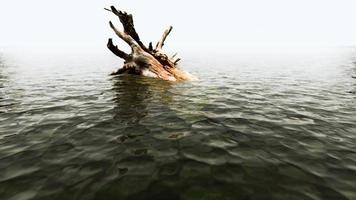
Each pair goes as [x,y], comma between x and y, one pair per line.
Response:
[246,130]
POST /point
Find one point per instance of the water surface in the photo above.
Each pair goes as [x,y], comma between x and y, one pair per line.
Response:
[278,125]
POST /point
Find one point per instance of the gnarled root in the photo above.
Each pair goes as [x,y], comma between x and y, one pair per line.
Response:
[152,62]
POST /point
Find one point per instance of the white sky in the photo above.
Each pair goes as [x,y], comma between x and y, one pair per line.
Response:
[222,25]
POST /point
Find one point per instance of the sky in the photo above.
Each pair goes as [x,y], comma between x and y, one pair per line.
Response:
[220,26]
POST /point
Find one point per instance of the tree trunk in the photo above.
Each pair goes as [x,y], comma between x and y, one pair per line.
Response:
[152,62]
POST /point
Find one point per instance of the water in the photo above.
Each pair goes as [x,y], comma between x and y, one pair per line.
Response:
[273,125]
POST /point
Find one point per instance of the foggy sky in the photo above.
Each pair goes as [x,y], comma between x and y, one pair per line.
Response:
[222,25]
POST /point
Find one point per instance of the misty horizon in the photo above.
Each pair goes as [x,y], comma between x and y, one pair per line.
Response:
[198,26]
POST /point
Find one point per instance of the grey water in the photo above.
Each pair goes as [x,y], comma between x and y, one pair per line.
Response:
[257,125]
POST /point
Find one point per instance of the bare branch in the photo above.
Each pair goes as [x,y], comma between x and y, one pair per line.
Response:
[117,51]
[164,37]
[128,24]
[127,38]
[174,55]
[176,61]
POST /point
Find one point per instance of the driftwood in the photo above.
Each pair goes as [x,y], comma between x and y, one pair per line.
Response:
[147,61]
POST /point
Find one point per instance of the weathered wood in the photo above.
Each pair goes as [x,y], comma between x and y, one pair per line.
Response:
[164,37]
[128,24]
[125,37]
[117,51]
[150,47]
[142,60]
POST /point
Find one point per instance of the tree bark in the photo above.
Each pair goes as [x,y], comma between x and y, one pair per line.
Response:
[152,62]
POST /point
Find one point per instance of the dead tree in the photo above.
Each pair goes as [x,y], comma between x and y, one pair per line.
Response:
[147,61]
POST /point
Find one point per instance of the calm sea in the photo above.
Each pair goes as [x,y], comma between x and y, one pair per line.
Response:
[269,124]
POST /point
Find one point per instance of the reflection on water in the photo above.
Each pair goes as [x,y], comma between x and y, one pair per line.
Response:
[281,127]
[132,95]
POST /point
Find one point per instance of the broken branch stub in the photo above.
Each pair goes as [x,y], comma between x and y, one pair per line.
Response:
[145,61]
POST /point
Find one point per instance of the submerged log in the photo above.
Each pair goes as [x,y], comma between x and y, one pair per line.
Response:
[142,60]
